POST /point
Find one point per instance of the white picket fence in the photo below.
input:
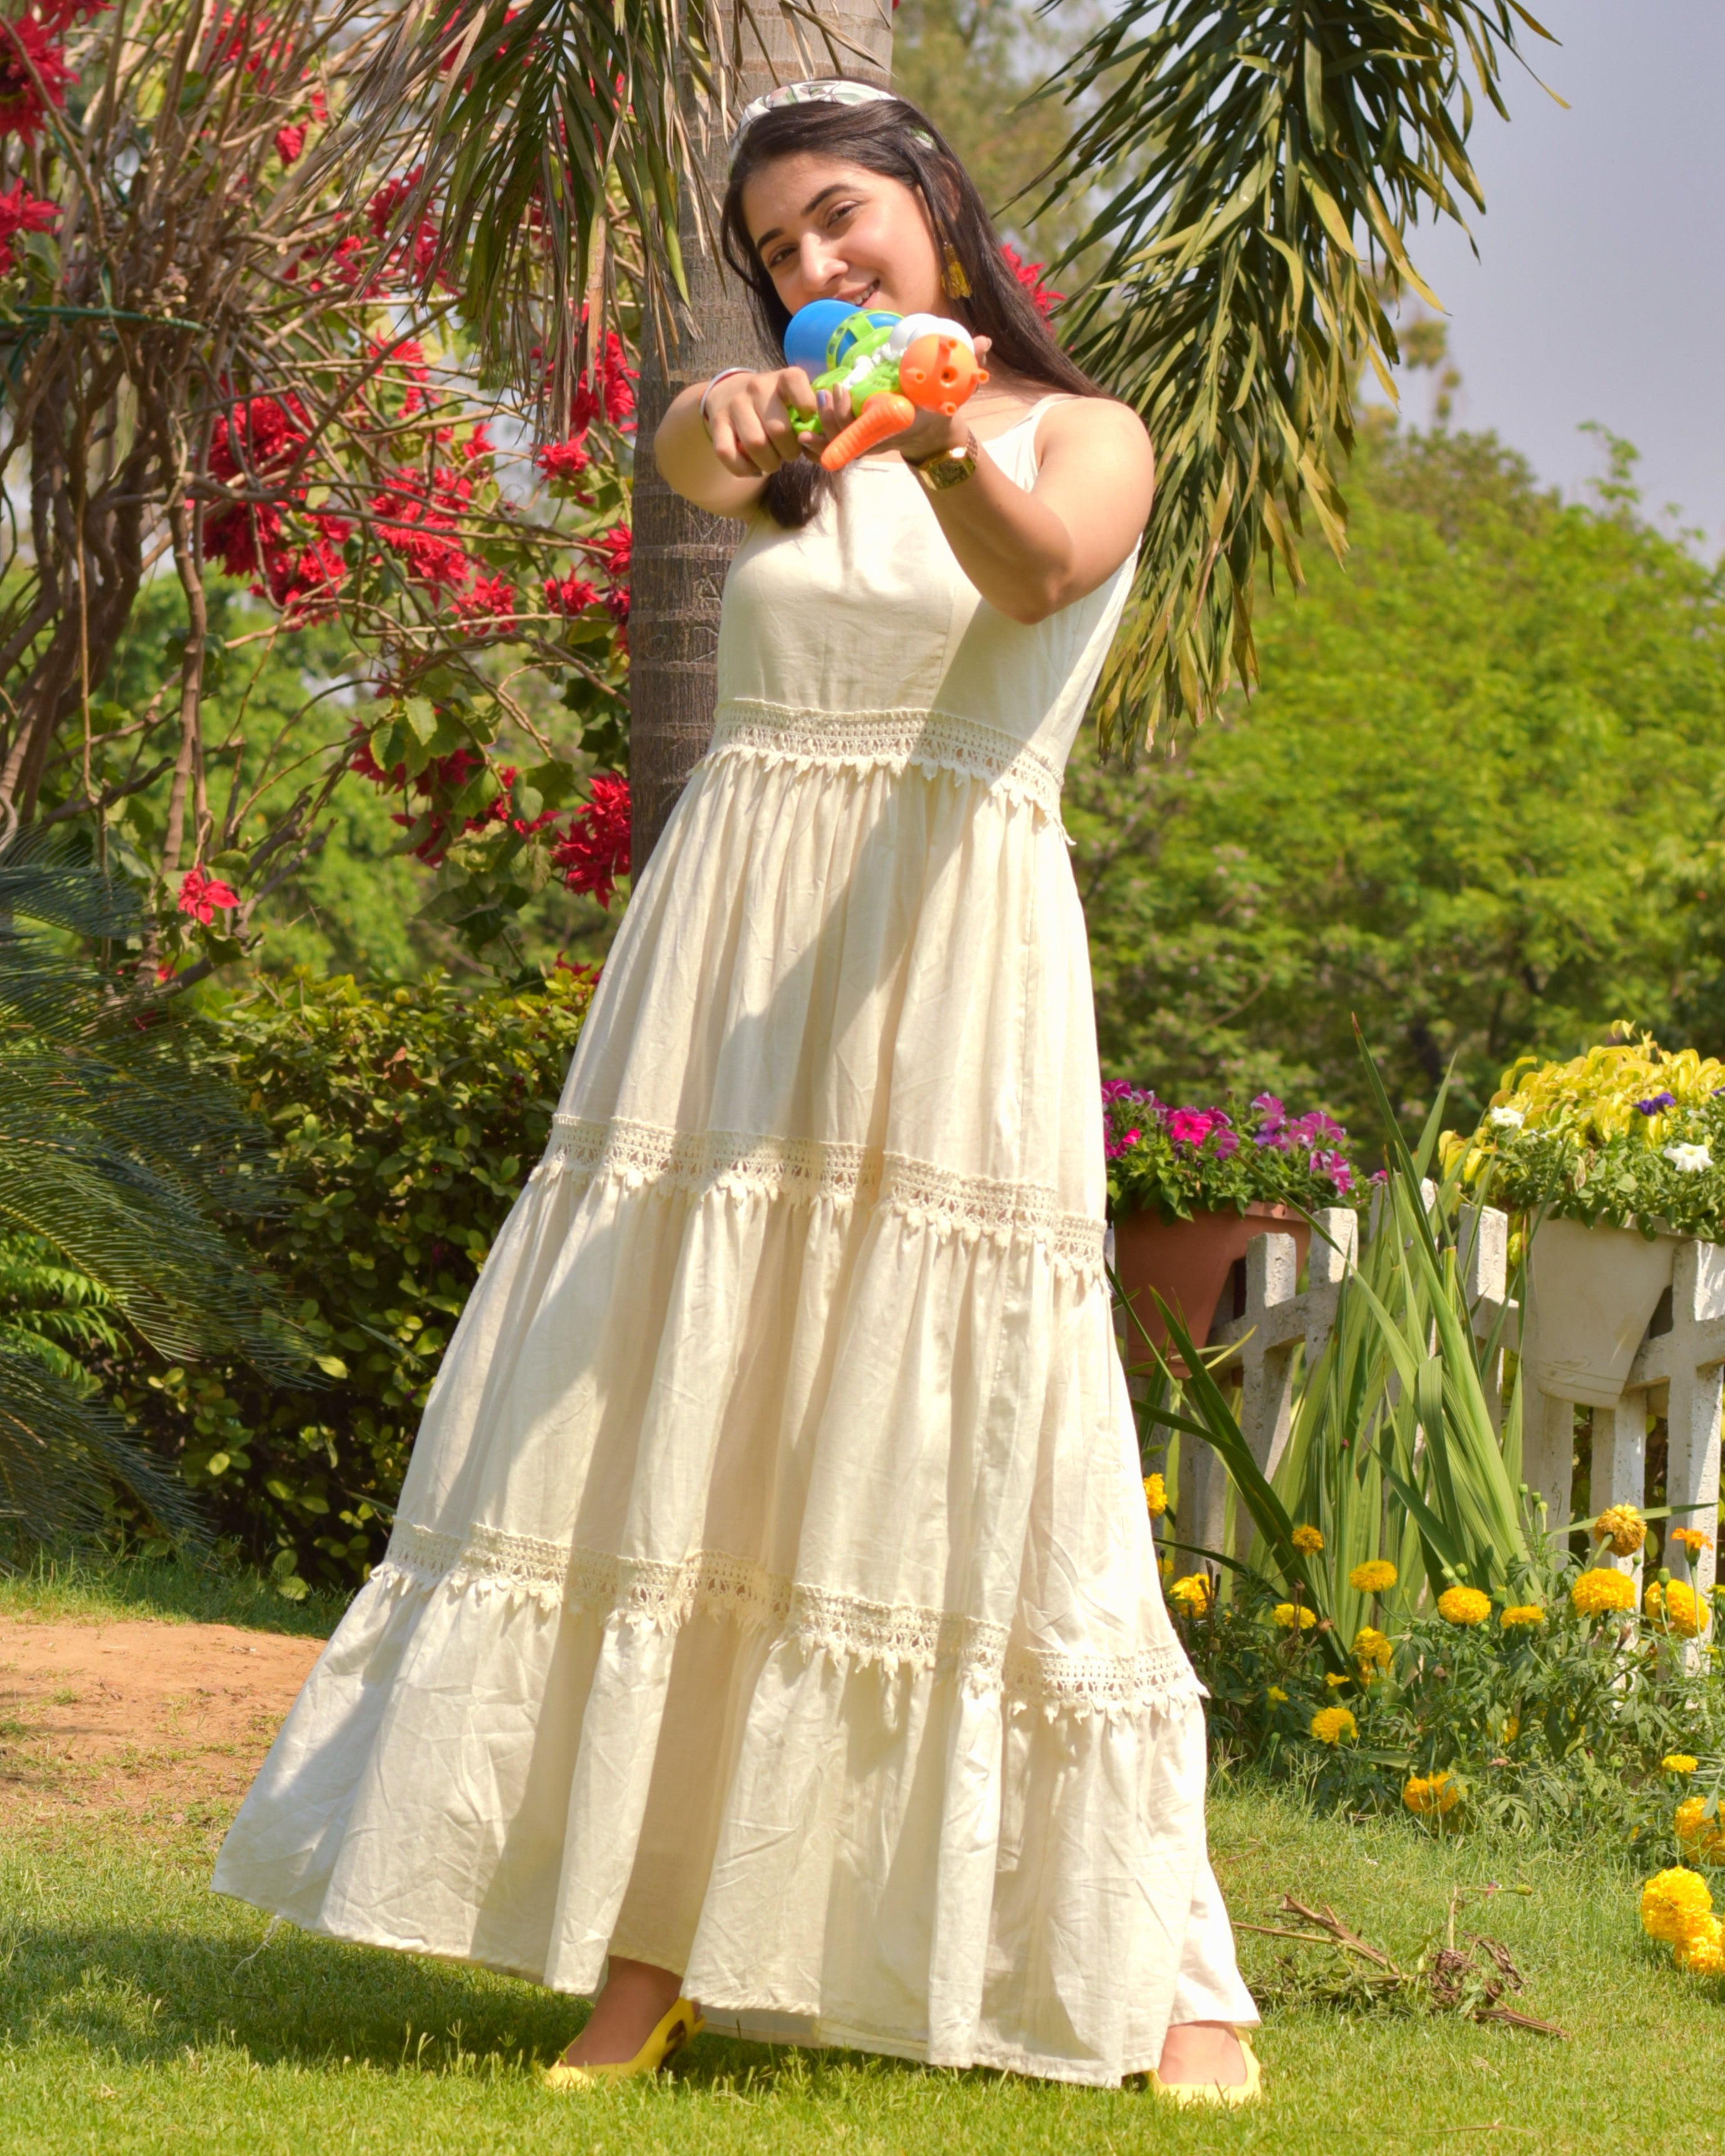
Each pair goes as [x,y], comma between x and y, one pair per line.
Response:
[1676,1374]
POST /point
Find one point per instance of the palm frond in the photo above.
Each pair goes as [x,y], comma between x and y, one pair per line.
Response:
[122,1151]
[519,121]
[1261,165]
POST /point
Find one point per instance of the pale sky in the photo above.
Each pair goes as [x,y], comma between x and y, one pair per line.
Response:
[1599,293]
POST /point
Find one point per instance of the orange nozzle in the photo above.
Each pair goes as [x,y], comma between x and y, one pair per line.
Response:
[880,419]
[938,372]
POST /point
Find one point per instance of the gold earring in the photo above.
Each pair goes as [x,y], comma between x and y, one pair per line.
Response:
[953,281]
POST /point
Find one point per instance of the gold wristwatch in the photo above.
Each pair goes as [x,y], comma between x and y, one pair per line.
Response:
[947,467]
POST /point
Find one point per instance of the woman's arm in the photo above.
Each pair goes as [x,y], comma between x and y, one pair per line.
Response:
[1032,551]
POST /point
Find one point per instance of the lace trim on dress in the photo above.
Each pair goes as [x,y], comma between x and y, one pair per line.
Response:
[934,741]
[846,1627]
[803,1169]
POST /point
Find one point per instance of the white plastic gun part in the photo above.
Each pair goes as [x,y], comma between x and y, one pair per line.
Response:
[910,327]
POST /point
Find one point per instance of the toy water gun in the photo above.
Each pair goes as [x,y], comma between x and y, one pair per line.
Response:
[893,366]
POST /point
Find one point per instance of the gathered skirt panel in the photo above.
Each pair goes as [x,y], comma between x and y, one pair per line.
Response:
[861,956]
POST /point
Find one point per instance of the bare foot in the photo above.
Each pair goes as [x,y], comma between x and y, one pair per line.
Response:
[636,1998]
[1203,2055]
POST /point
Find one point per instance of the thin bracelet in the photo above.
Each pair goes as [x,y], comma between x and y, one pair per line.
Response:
[709,390]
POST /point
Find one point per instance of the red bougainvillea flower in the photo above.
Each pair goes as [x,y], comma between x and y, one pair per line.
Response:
[21,212]
[613,391]
[416,523]
[25,43]
[562,461]
[289,142]
[573,595]
[595,851]
[490,604]
[615,550]
[201,893]
[1030,275]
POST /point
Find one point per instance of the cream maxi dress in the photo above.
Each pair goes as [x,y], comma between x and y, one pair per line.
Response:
[772,1596]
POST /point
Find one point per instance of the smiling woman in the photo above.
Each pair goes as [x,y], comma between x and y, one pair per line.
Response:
[771,1629]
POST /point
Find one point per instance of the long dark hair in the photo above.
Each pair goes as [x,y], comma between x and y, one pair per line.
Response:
[879,137]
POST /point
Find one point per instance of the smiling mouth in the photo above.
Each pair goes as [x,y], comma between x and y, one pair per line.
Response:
[867,294]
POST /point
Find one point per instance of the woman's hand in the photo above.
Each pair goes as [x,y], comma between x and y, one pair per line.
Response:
[749,416]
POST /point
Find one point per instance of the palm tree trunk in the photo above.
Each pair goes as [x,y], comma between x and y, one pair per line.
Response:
[680,553]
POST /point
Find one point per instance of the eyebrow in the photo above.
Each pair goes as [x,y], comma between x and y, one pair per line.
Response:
[809,207]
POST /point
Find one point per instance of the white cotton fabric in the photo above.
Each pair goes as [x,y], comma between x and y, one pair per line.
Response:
[772,1596]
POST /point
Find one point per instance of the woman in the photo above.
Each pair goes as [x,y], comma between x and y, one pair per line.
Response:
[771,1618]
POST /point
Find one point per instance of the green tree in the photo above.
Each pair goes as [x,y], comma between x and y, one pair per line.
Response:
[1479,801]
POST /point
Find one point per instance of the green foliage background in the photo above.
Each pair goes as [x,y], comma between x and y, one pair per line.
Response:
[1477,802]
[405,1121]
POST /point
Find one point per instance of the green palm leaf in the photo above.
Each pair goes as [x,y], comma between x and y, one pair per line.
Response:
[1260,166]
[521,120]
[121,1153]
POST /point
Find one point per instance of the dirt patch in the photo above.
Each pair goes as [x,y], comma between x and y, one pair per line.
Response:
[166,1722]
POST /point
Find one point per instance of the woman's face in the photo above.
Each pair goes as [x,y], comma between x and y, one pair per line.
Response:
[824,230]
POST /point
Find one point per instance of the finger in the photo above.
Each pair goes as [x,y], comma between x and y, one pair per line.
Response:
[763,459]
[797,390]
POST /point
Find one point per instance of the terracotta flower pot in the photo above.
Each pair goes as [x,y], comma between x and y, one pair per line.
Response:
[1594,1291]
[1188,1263]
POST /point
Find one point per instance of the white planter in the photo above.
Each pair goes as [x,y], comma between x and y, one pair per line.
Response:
[1593,1291]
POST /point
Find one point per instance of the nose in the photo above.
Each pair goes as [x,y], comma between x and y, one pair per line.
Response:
[818,261]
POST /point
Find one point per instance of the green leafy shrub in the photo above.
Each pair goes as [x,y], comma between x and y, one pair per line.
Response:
[405,1121]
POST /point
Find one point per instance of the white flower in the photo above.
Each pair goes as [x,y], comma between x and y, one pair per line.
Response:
[1509,1119]
[1688,1159]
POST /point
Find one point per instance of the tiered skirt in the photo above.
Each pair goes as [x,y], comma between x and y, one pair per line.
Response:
[772,1596]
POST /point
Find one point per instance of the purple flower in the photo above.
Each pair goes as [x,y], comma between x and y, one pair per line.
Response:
[1658,1101]
[1227,1143]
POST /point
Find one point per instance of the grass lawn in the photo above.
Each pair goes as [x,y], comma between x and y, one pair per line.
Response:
[138,2012]
[169,1591]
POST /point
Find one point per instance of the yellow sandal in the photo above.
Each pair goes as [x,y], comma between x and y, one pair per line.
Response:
[681,2023]
[1184,2093]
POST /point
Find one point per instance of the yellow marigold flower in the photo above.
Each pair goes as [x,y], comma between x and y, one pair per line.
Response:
[1277,1696]
[1330,1725]
[1600,1590]
[1695,1830]
[1464,1605]
[1333,1678]
[1376,1576]
[1677,1607]
[1673,1903]
[1680,1762]
[1371,1649]
[1156,1496]
[1511,1728]
[1623,1527]
[1701,1952]
[1425,1794]
[1285,1613]
[1307,1541]
[1192,1594]
[1692,1539]
[1165,1566]
[1521,1613]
